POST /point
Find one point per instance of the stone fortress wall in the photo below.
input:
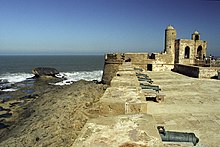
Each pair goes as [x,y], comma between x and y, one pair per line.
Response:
[127,118]
[183,52]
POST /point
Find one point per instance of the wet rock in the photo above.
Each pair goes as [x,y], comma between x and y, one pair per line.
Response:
[6,115]
[55,117]
[14,104]
[31,96]
[5,86]
[44,71]
[3,81]
[27,113]
[3,109]
[2,125]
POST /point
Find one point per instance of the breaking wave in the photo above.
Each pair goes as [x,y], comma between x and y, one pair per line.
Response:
[80,75]
[69,76]
[16,77]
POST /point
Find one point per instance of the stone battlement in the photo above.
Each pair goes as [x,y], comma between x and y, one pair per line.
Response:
[123,117]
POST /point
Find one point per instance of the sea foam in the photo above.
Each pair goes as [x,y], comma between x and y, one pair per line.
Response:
[80,75]
[70,77]
[16,77]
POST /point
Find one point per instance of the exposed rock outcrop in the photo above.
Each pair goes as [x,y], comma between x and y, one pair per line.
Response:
[44,71]
[56,117]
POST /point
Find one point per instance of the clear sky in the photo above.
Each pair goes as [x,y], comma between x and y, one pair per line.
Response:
[103,26]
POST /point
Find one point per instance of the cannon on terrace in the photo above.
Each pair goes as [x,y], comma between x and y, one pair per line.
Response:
[145,79]
[153,87]
[169,136]
[155,98]
[142,75]
[138,69]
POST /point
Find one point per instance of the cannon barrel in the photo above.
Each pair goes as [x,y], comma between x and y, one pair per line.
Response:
[177,136]
[145,79]
[156,88]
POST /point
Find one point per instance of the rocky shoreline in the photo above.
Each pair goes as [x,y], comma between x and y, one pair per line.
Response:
[48,115]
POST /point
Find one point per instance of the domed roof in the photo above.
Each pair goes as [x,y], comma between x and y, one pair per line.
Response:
[196,32]
[170,27]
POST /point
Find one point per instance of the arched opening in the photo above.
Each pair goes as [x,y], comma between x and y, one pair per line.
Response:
[199,52]
[197,37]
[187,52]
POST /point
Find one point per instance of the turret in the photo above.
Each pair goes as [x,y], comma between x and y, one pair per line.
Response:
[196,36]
[170,37]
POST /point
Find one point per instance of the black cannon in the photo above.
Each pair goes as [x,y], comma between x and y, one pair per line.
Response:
[142,75]
[138,69]
[177,136]
[145,79]
[153,87]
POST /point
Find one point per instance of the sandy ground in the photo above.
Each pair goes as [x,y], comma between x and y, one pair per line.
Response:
[56,117]
[191,105]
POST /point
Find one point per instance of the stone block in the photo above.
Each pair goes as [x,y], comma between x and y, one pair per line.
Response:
[122,100]
[125,81]
[122,130]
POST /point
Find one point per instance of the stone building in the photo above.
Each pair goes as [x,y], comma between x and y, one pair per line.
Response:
[185,51]
[176,51]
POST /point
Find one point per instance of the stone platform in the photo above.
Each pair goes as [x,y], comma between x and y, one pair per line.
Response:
[191,105]
[125,122]
[121,131]
[124,95]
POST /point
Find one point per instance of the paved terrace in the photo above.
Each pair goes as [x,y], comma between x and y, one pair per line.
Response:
[191,105]
[125,122]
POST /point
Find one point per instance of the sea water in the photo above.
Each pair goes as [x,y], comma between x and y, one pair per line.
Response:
[76,67]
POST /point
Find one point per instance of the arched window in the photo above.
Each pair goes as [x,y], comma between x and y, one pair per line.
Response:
[197,37]
[187,52]
[199,52]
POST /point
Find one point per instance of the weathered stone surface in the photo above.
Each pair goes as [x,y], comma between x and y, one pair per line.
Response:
[44,71]
[124,95]
[122,130]
[122,100]
[191,105]
[56,117]
[196,71]
[125,81]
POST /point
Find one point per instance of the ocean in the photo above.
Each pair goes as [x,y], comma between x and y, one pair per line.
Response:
[74,67]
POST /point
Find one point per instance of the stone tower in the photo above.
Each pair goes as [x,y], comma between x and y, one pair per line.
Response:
[170,37]
[196,36]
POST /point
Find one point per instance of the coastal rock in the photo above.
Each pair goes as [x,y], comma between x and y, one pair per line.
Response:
[3,81]
[44,71]
[56,117]
[5,86]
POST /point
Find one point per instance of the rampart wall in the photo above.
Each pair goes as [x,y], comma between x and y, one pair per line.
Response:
[196,71]
[145,61]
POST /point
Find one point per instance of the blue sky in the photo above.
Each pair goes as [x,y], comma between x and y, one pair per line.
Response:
[103,26]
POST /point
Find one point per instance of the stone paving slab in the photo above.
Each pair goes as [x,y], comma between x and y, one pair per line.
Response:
[191,105]
[124,81]
[121,131]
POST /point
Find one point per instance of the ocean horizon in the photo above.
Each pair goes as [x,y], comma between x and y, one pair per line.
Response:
[16,68]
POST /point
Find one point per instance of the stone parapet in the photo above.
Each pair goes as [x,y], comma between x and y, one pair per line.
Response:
[196,71]
[122,100]
[122,130]
[124,95]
